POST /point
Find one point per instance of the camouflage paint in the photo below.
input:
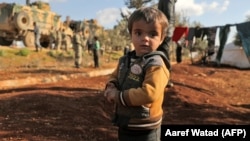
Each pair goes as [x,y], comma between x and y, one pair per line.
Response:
[35,12]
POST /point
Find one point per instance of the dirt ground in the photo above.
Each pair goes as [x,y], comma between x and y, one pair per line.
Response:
[75,110]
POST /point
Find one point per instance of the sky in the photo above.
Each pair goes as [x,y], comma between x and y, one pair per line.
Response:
[107,12]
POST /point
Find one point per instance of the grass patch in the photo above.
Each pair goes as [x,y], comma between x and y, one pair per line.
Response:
[23,52]
[27,57]
[2,52]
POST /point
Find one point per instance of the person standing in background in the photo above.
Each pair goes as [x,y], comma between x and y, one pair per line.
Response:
[179,45]
[168,8]
[52,38]
[65,42]
[96,48]
[126,50]
[78,47]
[37,37]
[58,39]
[90,45]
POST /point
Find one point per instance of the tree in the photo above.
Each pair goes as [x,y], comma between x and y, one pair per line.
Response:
[119,33]
[136,3]
[237,39]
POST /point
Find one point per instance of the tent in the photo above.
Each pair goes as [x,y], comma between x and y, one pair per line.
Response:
[233,56]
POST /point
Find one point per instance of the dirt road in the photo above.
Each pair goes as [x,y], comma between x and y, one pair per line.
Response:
[74,109]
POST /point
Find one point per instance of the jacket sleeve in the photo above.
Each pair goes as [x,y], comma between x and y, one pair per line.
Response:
[153,87]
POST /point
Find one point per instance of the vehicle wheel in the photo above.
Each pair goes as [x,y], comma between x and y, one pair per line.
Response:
[45,44]
[86,32]
[5,42]
[69,41]
[22,21]
[29,39]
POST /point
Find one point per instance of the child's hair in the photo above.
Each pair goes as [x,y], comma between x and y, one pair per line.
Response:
[149,14]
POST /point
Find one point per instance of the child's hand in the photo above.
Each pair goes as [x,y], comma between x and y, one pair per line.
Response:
[108,87]
[110,94]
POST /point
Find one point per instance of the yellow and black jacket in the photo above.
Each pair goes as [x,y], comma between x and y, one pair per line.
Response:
[141,81]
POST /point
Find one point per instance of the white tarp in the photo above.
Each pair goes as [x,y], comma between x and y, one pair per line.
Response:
[233,56]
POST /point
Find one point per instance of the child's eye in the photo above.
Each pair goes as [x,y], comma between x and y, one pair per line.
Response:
[138,33]
[153,34]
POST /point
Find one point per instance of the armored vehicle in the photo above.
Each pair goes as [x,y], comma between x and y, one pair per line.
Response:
[16,23]
[90,28]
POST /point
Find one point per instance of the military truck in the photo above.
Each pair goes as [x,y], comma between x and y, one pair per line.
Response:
[90,28]
[16,23]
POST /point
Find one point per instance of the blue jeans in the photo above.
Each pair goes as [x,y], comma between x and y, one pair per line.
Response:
[139,135]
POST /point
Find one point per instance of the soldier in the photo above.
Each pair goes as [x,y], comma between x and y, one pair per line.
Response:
[78,47]
[52,37]
[64,41]
[58,39]
[37,37]
[90,45]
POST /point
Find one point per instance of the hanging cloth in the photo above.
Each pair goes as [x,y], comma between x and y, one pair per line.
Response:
[223,35]
[190,37]
[211,34]
[244,32]
[179,32]
[205,32]
[198,32]
[191,34]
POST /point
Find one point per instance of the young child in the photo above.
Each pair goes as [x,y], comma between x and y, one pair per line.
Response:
[138,83]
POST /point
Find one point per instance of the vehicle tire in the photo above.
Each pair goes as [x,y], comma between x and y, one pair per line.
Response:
[86,32]
[68,42]
[5,42]
[29,39]
[22,21]
[45,44]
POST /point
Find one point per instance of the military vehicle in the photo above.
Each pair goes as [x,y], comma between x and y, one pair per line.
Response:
[16,23]
[90,28]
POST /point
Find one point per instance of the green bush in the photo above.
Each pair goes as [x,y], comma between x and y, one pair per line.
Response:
[200,46]
[24,52]
[59,54]
[2,53]
[52,54]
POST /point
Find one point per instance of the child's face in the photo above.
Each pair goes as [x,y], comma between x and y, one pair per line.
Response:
[146,37]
